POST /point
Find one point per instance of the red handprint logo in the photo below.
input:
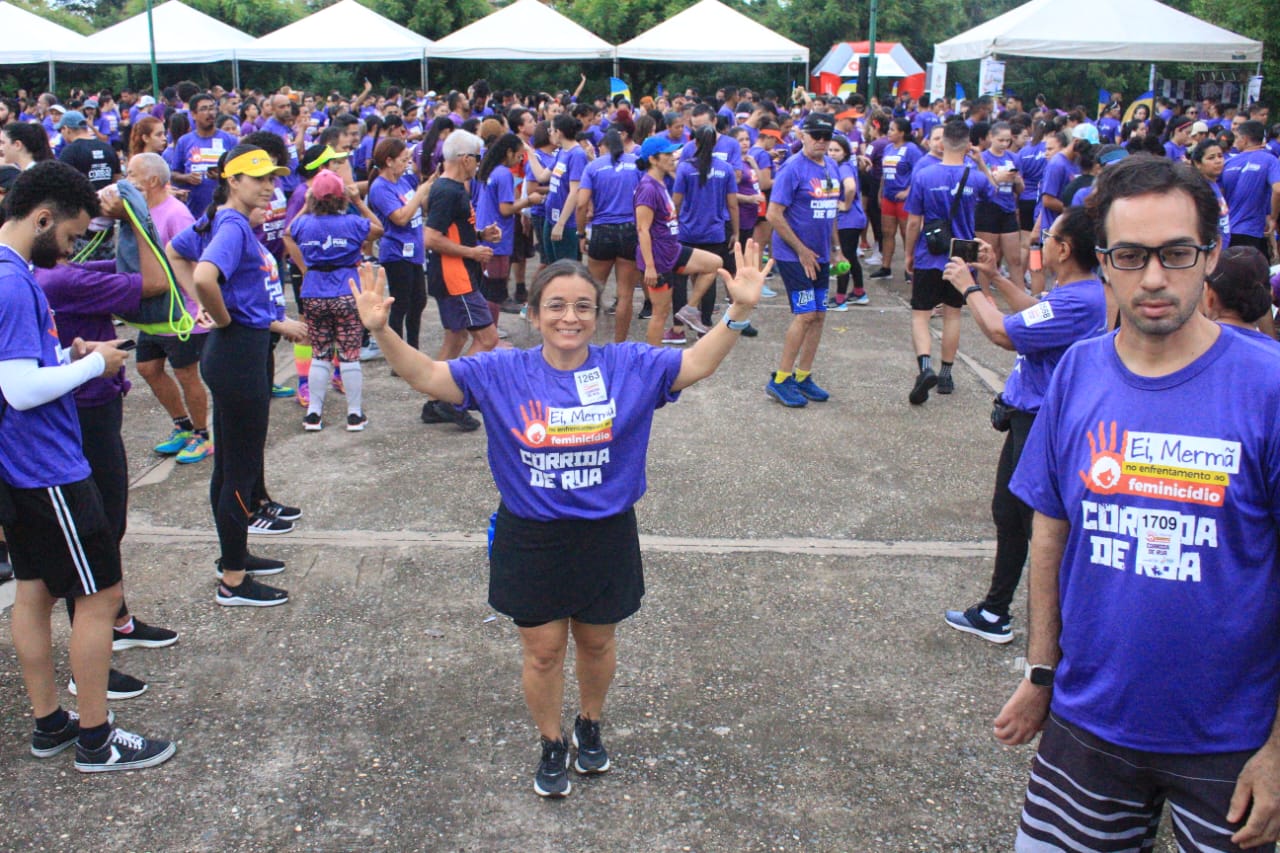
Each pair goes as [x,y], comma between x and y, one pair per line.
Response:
[1106,465]
[535,425]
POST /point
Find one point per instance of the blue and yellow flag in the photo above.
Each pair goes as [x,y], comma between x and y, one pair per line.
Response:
[1147,99]
[619,87]
[1104,98]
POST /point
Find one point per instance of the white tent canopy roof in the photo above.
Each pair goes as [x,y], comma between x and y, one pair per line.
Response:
[526,29]
[182,35]
[343,32]
[31,38]
[1139,30]
[710,31]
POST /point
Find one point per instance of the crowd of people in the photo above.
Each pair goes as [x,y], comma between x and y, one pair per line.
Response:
[1124,262]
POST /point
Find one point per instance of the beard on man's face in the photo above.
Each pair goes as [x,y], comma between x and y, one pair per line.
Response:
[45,250]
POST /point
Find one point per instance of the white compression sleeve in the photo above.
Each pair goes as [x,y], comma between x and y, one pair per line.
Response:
[25,384]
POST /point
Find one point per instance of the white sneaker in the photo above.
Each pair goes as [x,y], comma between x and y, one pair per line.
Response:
[874,259]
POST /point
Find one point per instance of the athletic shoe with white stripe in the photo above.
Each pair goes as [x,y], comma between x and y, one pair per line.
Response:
[123,751]
[264,524]
[250,593]
[143,636]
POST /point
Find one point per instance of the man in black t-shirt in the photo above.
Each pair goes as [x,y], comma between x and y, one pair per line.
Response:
[94,159]
[455,261]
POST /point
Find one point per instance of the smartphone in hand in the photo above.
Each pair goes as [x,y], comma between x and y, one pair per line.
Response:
[965,250]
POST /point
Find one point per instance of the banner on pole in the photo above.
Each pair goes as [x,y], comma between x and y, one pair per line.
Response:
[937,80]
[990,77]
[1255,89]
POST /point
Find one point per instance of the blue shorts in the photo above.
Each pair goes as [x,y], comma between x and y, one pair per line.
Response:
[805,294]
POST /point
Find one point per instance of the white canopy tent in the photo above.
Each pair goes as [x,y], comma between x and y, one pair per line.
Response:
[29,38]
[1139,30]
[526,29]
[710,31]
[344,32]
[182,34]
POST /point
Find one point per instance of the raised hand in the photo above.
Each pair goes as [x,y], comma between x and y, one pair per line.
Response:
[745,288]
[371,299]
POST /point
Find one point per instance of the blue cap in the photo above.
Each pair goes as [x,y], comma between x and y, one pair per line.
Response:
[658,145]
[73,119]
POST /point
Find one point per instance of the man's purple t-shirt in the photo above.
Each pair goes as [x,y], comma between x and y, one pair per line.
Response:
[195,155]
[286,134]
[810,193]
[1169,487]
[664,234]
[1247,180]
[569,443]
[39,447]
[932,190]
[83,298]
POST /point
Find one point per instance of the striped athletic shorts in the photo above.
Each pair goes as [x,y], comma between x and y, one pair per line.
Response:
[1086,794]
[61,536]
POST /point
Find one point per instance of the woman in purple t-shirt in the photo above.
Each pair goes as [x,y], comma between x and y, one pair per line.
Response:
[568,426]
[659,253]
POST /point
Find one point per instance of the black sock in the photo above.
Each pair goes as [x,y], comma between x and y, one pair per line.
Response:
[96,737]
[946,368]
[201,433]
[55,722]
[184,423]
[924,361]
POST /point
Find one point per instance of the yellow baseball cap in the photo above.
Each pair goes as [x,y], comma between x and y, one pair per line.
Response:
[255,164]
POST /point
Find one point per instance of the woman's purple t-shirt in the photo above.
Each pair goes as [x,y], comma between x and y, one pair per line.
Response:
[664,234]
[331,242]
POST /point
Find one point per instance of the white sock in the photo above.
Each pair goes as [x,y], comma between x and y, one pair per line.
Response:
[318,380]
[353,382]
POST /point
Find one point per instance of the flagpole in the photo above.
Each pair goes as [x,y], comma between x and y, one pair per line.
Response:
[871,60]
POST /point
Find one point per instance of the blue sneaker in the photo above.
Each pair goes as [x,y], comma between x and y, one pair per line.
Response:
[767,292]
[786,392]
[860,300]
[811,391]
[197,449]
[176,441]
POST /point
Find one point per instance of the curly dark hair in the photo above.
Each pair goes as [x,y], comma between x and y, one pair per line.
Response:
[54,184]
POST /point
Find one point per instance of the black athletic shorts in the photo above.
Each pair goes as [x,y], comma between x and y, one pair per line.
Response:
[61,536]
[993,219]
[613,241]
[180,353]
[585,569]
[522,248]
[929,290]
[1026,214]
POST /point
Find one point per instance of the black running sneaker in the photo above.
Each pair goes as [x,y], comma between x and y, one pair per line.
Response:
[460,417]
[592,757]
[250,593]
[883,272]
[946,385]
[431,413]
[278,510]
[982,623]
[312,422]
[552,778]
[123,751]
[925,381]
[257,566]
[356,422]
[263,523]
[49,744]
[143,636]
[119,686]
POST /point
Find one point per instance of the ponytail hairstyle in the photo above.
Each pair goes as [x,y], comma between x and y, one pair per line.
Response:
[440,126]
[704,139]
[497,154]
[223,191]
[613,141]
[568,126]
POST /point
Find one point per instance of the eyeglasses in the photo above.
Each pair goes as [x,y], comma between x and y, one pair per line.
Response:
[1178,256]
[820,135]
[557,308]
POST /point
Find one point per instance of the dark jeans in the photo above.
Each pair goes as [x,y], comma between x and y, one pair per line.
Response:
[236,365]
[1012,518]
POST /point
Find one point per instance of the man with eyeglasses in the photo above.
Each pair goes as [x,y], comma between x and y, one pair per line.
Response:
[454,264]
[1153,663]
[197,152]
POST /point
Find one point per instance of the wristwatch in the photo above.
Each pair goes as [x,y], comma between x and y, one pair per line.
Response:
[1039,675]
[972,289]
[736,325]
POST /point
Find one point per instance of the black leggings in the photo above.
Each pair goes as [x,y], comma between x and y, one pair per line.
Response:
[1012,518]
[408,285]
[849,246]
[104,448]
[680,285]
[871,203]
[236,365]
